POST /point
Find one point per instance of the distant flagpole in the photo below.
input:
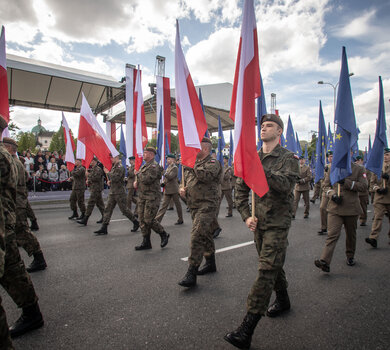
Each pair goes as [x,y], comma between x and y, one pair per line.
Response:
[221,142]
[320,147]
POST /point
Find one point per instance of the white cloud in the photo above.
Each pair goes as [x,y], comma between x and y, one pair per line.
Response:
[358,27]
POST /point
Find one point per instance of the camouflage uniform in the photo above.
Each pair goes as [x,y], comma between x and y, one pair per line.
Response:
[274,213]
[202,195]
[303,188]
[117,194]
[95,182]
[15,279]
[78,189]
[226,187]
[149,197]
[24,236]
[131,198]
[30,213]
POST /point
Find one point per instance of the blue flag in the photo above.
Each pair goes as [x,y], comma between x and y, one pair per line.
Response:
[313,161]
[320,147]
[261,110]
[179,172]
[329,142]
[346,132]
[283,141]
[355,147]
[306,155]
[122,149]
[231,149]
[291,143]
[160,140]
[221,142]
[207,134]
[375,158]
[299,148]
[369,144]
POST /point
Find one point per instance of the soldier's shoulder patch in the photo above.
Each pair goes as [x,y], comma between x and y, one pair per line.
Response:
[364,175]
[120,165]
[296,156]
[153,165]
[212,160]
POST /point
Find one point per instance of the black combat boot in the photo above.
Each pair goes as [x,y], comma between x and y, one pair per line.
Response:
[75,215]
[189,279]
[145,244]
[83,221]
[81,217]
[34,225]
[38,263]
[164,239]
[30,319]
[209,265]
[281,304]
[217,232]
[242,336]
[100,221]
[102,231]
[135,226]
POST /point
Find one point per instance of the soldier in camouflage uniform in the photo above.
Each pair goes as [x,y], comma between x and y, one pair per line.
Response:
[31,215]
[226,185]
[202,194]
[95,181]
[273,213]
[116,196]
[77,177]
[131,198]
[15,280]
[24,236]
[149,196]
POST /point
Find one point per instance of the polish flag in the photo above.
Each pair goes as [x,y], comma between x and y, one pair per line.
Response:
[4,105]
[140,132]
[69,144]
[163,102]
[131,77]
[93,136]
[190,118]
[111,132]
[246,89]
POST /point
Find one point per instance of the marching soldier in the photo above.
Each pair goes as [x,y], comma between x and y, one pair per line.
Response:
[317,191]
[226,186]
[325,198]
[95,182]
[343,209]
[24,236]
[381,199]
[131,198]
[171,190]
[116,196]
[202,195]
[149,196]
[77,177]
[302,187]
[363,196]
[14,278]
[270,227]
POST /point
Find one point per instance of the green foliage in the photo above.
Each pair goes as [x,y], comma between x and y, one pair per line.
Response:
[214,141]
[26,141]
[58,141]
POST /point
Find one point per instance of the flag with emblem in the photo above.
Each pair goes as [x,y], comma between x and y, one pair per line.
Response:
[299,148]
[320,147]
[329,141]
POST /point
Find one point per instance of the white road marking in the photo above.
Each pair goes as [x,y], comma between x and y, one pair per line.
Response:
[227,248]
[119,220]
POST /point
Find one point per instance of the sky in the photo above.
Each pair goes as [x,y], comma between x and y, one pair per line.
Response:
[300,43]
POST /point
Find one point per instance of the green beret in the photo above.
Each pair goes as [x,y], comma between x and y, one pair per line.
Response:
[225,157]
[213,151]
[171,155]
[359,157]
[10,141]
[206,139]
[150,149]
[131,158]
[272,118]
[302,157]
[387,150]
[329,153]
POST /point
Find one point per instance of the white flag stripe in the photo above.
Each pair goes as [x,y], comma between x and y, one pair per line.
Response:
[69,156]
[129,112]
[138,124]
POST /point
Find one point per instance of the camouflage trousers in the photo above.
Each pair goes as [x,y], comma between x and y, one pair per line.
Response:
[271,246]
[16,281]
[228,195]
[131,198]
[24,237]
[167,200]
[30,212]
[113,200]
[95,199]
[147,210]
[5,340]
[77,198]
[202,242]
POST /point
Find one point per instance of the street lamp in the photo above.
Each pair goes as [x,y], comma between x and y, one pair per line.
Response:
[334,86]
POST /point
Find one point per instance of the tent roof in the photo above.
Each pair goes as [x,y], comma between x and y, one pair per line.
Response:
[216,101]
[39,84]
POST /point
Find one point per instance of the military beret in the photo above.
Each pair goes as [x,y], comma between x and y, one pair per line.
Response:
[206,139]
[272,118]
[387,150]
[3,123]
[170,155]
[150,149]
[329,153]
[213,151]
[359,157]
[225,157]
[131,158]
[301,157]
[10,141]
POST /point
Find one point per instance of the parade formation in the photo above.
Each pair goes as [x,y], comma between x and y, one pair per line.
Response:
[262,179]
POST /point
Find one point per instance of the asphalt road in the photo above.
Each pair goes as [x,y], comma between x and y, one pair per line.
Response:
[98,293]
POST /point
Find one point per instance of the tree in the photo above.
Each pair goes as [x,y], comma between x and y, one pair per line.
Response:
[26,141]
[58,141]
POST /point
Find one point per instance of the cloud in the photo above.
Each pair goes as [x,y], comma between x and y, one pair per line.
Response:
[358,27]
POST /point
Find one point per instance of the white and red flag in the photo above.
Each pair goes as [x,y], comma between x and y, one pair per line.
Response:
[246,89]
[131,77]
[4,104]
[190,118]
[140,132]
[69,144]
[163,103]
[111,132]
[93,136]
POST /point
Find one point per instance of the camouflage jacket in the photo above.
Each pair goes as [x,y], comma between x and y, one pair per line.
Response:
[78,178]
[274,209]
[148,181]
[226,183]
[130,176]
[21,188]
[202,183]
[117,178]
[95,179]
